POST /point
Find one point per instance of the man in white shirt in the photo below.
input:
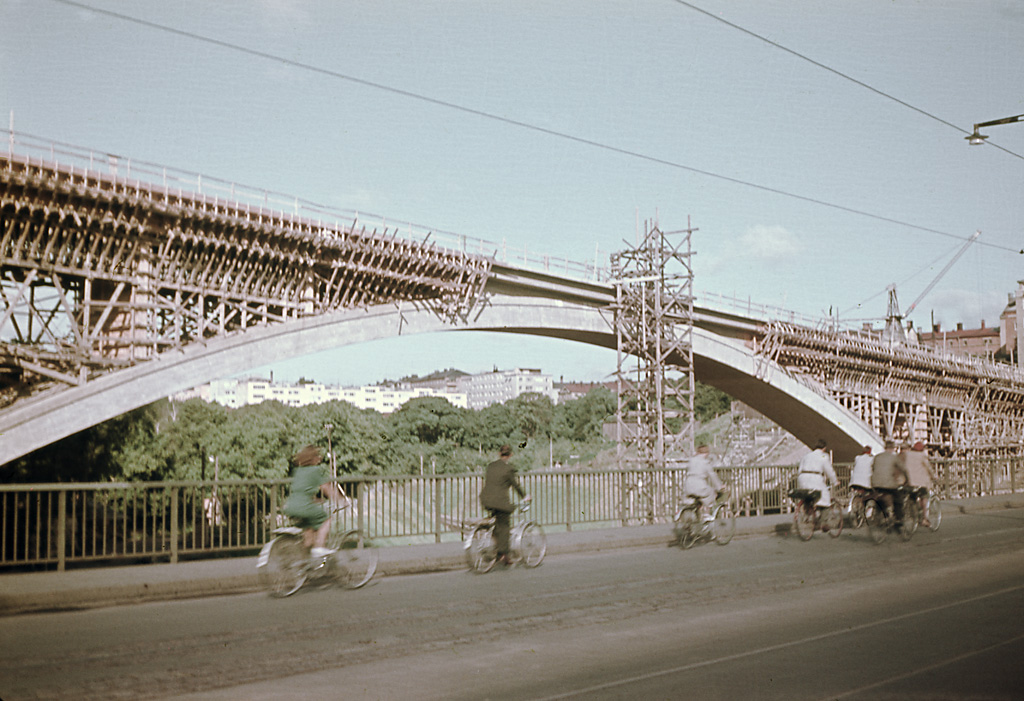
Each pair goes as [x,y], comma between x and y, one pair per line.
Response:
[860,481]
[702,481]
[816,473]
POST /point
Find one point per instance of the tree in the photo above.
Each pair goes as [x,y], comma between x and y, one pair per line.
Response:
[492,427]
[359,438]
[182,447]
[533,414]
[429,420]
[709,402]
[583,419]
[256,441]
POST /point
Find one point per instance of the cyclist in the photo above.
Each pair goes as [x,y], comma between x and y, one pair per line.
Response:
[309,478]
[860,478]
[816,473]
[702,483]
[498,479]
[919,474]
[888,473]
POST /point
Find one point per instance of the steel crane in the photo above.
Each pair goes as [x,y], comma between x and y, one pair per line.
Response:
[894,333]
[954,259]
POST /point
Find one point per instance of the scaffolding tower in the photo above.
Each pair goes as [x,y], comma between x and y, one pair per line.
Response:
[653,315]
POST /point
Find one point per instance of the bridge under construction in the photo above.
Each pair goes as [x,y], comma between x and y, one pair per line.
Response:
[103,272]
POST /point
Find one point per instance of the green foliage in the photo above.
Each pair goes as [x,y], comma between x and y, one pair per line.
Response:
[429,420]
[533,414]
[709,402]
[583,419]
[491,427]
[194,439]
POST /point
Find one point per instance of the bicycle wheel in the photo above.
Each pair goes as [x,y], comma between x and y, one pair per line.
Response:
[281,566]
[356,560]
[856,513]
[480,551]
[804,520]
[637,508]
[724,526]
[877,521]
[934,513]
[532,544]
[832,520]
[911,517]
[687,527]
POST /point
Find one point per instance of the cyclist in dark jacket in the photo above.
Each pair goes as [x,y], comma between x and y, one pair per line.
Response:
[888,474]
[498,479]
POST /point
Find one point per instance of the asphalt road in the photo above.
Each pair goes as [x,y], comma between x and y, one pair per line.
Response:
[761,618]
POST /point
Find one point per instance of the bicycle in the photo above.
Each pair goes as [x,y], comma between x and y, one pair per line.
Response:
[527,543]
[933,514]
[689,527]
[858,495]
[637,505]
[284,564]
[808,517]
[881,520]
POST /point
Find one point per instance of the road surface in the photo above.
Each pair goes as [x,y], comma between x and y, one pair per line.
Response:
[770,618]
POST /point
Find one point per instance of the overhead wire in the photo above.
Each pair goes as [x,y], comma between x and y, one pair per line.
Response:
[842,75]
[506,120]
[910,277]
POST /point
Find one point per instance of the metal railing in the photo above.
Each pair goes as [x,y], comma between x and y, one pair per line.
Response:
[60,524]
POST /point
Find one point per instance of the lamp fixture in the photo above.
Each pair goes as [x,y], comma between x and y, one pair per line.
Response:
[978,138]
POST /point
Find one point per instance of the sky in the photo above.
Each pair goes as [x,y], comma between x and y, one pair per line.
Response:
[816,147]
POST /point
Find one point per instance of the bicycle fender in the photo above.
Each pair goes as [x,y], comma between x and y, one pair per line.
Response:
[288,530]
[264,556]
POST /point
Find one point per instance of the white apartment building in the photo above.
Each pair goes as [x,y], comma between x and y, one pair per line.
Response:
[500,386]
[235,393]
[468,391]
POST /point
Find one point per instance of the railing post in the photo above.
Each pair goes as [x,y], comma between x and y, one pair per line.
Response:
[759,510]
[567,479]
[437,508]
[174,525]
[62,527]
[361,506]
[273,510]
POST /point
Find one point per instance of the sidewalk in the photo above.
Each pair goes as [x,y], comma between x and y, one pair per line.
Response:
[89,588]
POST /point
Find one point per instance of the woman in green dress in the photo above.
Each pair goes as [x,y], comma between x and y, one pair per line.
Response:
[304,504]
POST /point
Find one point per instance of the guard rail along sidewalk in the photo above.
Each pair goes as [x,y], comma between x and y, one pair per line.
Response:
[56,525]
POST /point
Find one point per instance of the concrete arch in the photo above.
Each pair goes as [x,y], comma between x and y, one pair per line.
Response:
[720,362]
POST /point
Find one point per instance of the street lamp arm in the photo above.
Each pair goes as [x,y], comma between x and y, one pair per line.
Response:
[995,122]
[976,138]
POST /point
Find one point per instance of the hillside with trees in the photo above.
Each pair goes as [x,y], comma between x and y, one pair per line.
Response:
[188,440]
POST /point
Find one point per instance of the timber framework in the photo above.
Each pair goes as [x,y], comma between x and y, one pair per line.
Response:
[101,272]
[957,405]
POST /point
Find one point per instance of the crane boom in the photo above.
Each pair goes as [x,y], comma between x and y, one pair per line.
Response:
[938,277]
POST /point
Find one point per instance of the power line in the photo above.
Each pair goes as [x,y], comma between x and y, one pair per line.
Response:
[836,72]
[506,120]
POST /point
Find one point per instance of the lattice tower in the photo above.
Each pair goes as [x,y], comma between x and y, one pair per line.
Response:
[653,315]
